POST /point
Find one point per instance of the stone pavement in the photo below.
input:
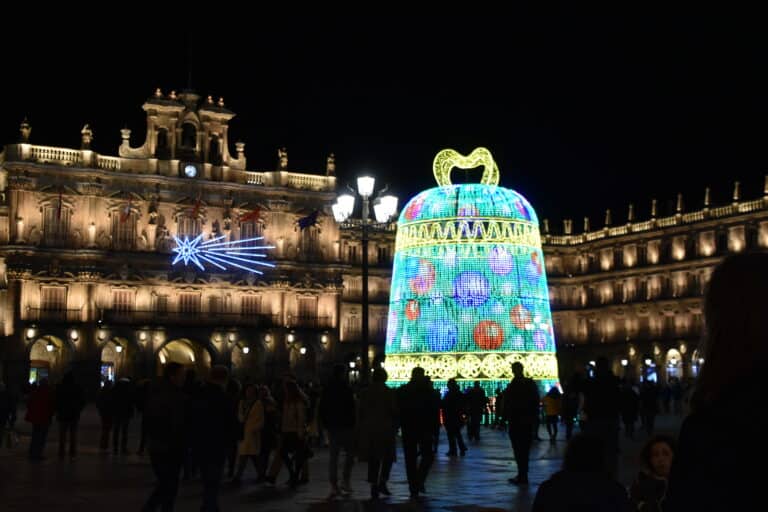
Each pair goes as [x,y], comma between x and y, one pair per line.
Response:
[106,483]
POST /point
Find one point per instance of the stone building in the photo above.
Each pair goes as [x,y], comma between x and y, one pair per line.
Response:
[87,243]
[632,292]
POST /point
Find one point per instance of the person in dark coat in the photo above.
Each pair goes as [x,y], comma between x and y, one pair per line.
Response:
[70,400]
[123,403]
[721,440]
[649,405]
[601,410]
[337,415]
[106,409]
[571,403]
[629,405]
[584,482]
[418,409]
[521,408]
[477,408]
[454,407]
[377,416]
[649,489]
[166,414]
[437,422]
[215,429]
[40,409]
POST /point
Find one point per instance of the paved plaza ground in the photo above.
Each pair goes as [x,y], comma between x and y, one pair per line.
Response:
[102,482]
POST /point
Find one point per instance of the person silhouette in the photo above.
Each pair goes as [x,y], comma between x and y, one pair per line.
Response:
[709,472]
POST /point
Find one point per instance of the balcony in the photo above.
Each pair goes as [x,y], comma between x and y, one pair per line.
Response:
[55,315]
[166,318]
[309,322]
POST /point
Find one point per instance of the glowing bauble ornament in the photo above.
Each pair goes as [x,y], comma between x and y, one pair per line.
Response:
[488,335]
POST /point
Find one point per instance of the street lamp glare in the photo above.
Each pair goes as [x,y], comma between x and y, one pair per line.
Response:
[381,213]
[365,185]
[390,203]
[347,204]
[338,213]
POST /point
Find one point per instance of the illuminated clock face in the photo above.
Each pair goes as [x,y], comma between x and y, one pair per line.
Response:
[190,171]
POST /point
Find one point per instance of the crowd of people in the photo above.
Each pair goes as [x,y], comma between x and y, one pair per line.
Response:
[213,429]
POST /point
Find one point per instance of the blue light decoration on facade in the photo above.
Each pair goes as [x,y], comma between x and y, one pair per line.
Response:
[222,254]
[469,289]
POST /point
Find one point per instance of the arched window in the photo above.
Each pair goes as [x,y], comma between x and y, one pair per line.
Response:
[188,136]
[214,151]
[162,151]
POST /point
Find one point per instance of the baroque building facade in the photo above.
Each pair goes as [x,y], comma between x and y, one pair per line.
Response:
[87,241]
[634,292]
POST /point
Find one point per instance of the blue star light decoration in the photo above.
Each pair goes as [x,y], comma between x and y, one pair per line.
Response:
[222,254]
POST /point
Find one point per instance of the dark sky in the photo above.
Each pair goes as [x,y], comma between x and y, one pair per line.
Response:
[581,113]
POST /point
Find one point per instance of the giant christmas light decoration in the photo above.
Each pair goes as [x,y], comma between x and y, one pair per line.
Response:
[222,254]
[469,293]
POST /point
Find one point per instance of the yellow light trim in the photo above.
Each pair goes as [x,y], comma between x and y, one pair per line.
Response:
[447,159]
[430,233]
[473,365]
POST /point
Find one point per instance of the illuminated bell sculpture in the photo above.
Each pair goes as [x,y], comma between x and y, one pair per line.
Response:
[469,292]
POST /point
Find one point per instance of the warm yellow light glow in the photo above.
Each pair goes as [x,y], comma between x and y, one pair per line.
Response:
[30,333]
[73,335]
[460,231]
[290,338]
[303,350]
[447,159]
[142,336]
[474,365]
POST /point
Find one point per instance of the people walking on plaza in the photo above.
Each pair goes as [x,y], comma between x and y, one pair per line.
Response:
[649,489]
[233,393]
[70,400]
[215,425]
[477,409]
[40,408]
[454,408]
[584,482]
[293,432]
[601,410]
[676,392]
[191,388]
[419,407]
[250,412]
[105,407]
[649,405]
[122,398]
[570,400]
[498,410]
[629,405]
[377,417]
[337,415]
[552,409]
[270,432]
[521,406]
[722,440]
[167,416]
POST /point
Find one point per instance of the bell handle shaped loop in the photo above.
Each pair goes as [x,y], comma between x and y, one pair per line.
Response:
[447,159]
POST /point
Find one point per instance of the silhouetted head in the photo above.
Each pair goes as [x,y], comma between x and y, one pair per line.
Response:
[219,375]
[657,455]
[379,376]
[417,373]
[338,373]
[602,367]
[736,331]
[477,384]
[517,369]
[174,373]
[584,454]
[452,385]
[554,391]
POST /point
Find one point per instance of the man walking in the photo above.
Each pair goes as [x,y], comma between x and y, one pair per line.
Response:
[418,408]
[521,406]
[337,414]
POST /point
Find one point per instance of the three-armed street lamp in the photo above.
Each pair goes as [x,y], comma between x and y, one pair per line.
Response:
[384,208]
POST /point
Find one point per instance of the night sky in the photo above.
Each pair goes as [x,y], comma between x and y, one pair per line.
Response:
[581,114]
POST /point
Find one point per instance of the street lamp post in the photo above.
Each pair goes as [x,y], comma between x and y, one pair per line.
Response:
[384,208]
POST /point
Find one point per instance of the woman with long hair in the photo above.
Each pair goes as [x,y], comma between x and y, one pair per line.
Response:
[722,437]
